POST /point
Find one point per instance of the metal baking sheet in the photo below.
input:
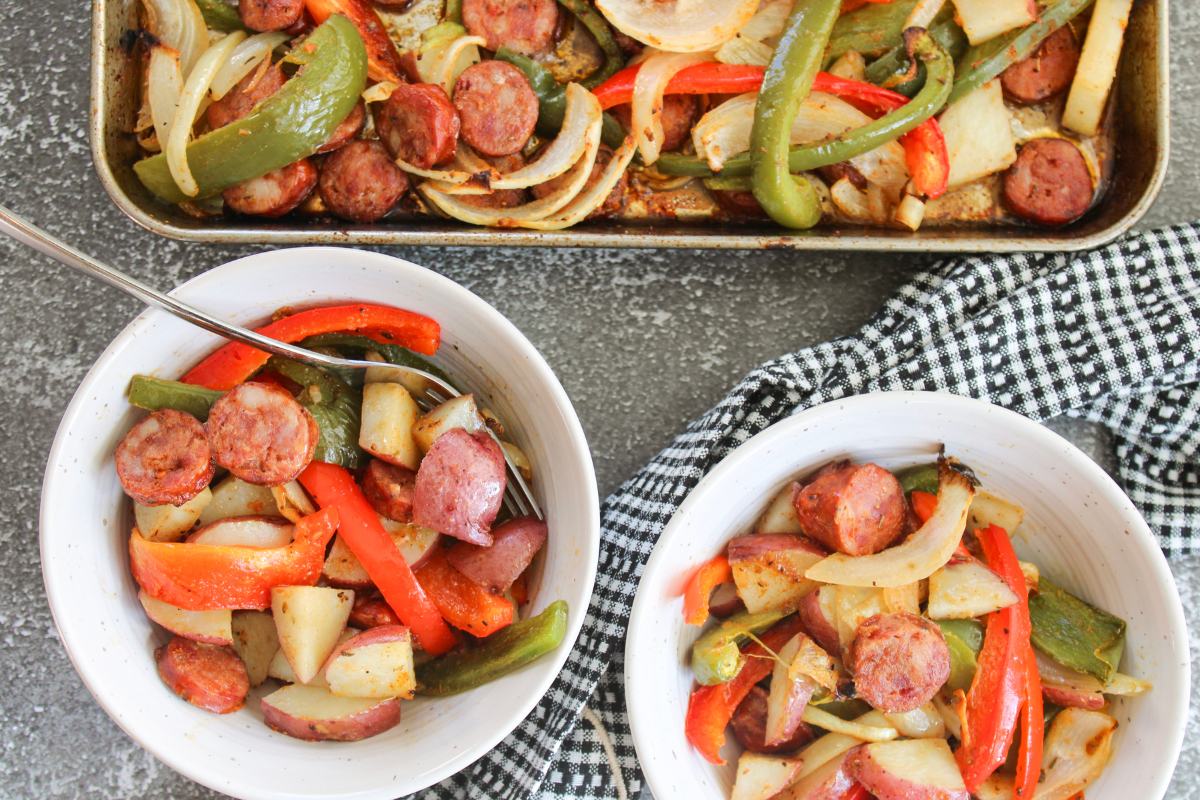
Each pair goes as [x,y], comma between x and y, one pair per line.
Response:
[1142,142]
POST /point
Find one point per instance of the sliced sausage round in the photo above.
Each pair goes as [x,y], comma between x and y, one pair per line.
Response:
[899,661]
[270,15]
[418,124]
[371,611]
[855,509]
[359,182]
[617,198]
[514,544]
[164,459]
[524,26]
[261,434]
[738,205]
[1048,71]
[273,194]
[244,96]
[346,130]
[460,485]
[1049,183]
[497,106]
[679,114]
[750,726]
[208,676]
[389,489]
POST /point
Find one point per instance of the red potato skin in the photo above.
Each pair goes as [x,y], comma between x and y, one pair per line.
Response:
[750,726]
[1072,698]
[165,458]
[818,626]
[197,536]
[375,720]
[856,509]
[830,781]
[751,546]
[460,486]
[270,15]
[886,786]
[389,489]
[899,661]
[725,601]
[514,545]
[261,434]
[371,611]
[207,676]
[379,634]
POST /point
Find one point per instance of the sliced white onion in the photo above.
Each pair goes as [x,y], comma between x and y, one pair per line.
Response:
[647,103]
[924,722]
[194,92]
[680,26]
[580,131]
[919,555]
[744,50]
[923,13]
[378,92]
[1126,685]
[1077,749]
[768,20]
[179,25]
[594,196]
[164,85]
[243,60]
[458,55]
[866,732]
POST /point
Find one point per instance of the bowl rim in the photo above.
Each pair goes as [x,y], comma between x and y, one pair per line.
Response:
[645,608]
[398,268]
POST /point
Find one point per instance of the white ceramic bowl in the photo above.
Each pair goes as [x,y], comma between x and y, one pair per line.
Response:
[85,525]
[1079,527]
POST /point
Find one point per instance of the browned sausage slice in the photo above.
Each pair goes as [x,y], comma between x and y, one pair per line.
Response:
[899,661]
[370,611]
[525,26]
[500,198]
[1048,71]
[855,509]
[244,96]
[418,124]
[514,544]
[679,114]
[359,182]
[261,434]
[164,459]
[273,194]
[207,676]
[497,106]
[750,726]
[270,15]
[460,485]
[389,489]
[346,130]
[1049,183]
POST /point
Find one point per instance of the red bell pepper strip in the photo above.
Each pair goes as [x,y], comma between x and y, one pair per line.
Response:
[700,588]
[923,504]
[204,577]
[1001,684]
[333,487]
[924,146]
[383,60]
[710,708]
[235,362]
[461,601]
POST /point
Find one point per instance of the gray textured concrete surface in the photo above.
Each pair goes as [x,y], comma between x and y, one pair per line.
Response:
[641,340]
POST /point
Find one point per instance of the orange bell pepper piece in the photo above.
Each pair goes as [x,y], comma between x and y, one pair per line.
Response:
[204,577]
[700,588]
[463,603]
[923,504]
[383,60]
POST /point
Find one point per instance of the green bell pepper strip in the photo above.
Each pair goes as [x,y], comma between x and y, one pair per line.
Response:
[807,157]
[964,640]
[717,656]
[598,27]
[892,69]
[987,60]
[871,30]
[552,100]
[153,393]
[790,200]
[1074,633]
[453,11]
[286,127]
[503,652]
[919,478]
[220,16]
[334,404]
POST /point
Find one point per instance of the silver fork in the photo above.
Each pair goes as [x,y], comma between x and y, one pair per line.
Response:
[518,497]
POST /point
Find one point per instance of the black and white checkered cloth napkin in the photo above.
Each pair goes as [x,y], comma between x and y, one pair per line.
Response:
[1111,336]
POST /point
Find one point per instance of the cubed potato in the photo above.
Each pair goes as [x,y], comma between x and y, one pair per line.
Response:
[313,713]
[234,497]
[904,769]
[256,641]
[830,781]
[457,412]
[966,589]
[415,384]
[281,670]
[342,567]
[245,532]
[979,137]
[988,509]
[375,663]
[768,570]
[292,501]
[211,627]
[386,432]
[309,620]
[780,516]
[169,523]
[761,777]
[986,19]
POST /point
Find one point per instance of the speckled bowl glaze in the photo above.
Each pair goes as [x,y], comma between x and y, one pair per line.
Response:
[86,520]
[1079,527]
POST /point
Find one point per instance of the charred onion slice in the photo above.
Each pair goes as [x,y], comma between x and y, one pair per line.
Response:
[647,104]
[179,25]
[918,556]
[680,26]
